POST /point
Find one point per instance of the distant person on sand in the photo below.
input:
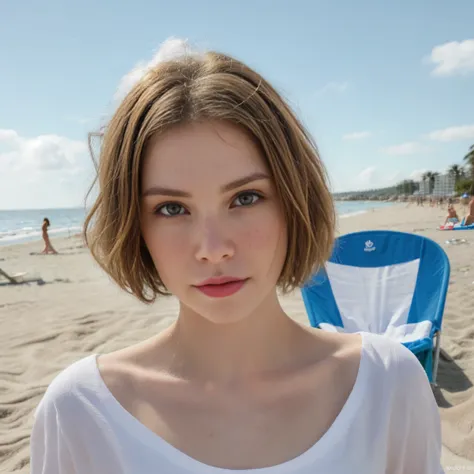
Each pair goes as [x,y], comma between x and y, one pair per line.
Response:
[452,216]
[48,248]
[234,384]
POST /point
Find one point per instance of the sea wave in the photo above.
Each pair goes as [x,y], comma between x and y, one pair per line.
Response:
[27,234]
[352,214]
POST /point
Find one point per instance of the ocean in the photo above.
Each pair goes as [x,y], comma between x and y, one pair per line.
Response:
[25,225]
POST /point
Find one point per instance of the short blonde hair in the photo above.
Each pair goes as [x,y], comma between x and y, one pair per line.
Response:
[212,86]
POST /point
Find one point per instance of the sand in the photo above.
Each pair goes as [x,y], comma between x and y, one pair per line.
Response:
[78,311]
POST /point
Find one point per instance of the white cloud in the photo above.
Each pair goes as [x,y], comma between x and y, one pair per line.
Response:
[416,175]
[45,171]
[409,148]
[169,49]
[9,137]
[41,153]
[356,135]
[394,178]
[373,177]
[455,57]
[463,132]
[333,87]
[366,177]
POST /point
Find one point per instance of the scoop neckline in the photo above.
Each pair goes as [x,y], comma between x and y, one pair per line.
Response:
[178,457]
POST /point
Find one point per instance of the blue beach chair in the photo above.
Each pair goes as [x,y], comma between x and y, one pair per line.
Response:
[384,282]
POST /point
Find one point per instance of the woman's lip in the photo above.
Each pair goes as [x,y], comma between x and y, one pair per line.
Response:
[219,281]
[223,289]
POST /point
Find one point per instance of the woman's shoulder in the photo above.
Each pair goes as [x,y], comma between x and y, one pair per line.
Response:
[71,385]
[392,360]
[379,352]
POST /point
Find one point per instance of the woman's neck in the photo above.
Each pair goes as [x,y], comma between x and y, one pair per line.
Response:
[262,343]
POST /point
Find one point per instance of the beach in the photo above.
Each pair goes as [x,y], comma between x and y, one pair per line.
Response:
[79,311]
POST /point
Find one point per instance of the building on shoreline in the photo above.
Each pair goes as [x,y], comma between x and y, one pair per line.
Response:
[443,185]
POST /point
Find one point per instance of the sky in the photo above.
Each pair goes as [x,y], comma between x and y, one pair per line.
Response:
[385,88]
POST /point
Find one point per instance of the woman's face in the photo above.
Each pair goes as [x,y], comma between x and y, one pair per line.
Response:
[197,226]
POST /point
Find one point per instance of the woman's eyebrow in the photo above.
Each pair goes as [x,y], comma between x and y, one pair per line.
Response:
[161,191]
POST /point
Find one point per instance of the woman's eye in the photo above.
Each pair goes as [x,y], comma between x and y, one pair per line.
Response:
[248,198]
[172,209]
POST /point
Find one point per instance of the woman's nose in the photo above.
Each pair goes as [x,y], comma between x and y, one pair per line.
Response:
[213,243]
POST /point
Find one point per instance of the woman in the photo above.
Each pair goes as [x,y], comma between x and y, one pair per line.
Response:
[452,216]
[48,248]
[469,220]
[211,190]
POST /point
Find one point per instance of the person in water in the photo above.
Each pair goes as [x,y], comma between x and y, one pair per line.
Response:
[212,190]
[48,248]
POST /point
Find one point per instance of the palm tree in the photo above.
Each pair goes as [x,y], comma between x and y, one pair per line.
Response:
[425,177]
[433,179]
[456,171]
[469,159]
[430,176]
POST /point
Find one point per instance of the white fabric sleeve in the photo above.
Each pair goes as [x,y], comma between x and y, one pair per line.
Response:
[49,451]
[415,427]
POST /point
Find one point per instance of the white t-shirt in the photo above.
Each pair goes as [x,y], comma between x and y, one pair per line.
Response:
[389,424]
